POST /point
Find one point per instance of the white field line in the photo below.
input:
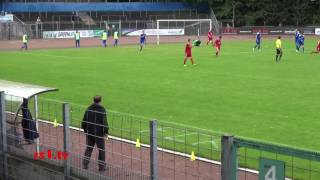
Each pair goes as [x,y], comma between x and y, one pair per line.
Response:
[205,142]
[159,149]
[174,138]
[144,131]
[72,57]
[158,129]
[57,56]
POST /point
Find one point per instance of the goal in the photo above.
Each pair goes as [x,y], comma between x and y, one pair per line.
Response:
[183,27]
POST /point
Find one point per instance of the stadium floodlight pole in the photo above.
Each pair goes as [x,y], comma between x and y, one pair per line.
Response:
[180,20]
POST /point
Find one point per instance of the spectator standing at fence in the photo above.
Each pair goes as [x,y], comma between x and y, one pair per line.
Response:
[24,41]
[77,38]
[28,124]
[116,38]
[95,126]
[73,17]
[258,42]
[278,49]
[104,38]
[38,27]
[38,20]
[228,27]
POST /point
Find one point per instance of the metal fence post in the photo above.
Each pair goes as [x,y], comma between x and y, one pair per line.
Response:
[66,139]
[37,121]
[228,158]
[153,150]
[3,140]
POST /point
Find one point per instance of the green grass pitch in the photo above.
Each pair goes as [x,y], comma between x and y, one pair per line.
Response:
[240,92]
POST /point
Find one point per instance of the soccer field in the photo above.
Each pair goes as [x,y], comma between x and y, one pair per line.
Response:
[240,92]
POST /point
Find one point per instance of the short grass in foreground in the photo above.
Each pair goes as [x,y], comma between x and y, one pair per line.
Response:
[240,92]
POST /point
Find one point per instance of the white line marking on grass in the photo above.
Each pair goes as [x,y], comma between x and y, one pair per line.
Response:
[144,131]
[246,52]
[59,56]
[205,142]
[158,129]
[173,138]
[181,135]
[163,129]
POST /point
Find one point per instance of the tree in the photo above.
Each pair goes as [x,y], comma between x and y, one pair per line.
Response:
[266,12]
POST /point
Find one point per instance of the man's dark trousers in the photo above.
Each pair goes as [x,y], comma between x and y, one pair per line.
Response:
[91,140]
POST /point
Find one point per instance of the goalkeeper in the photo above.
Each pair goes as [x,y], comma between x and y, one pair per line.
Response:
[196,42]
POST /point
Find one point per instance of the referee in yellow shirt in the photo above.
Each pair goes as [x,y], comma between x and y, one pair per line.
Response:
[279,49]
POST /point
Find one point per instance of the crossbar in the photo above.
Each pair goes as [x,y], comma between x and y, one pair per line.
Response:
[180,20]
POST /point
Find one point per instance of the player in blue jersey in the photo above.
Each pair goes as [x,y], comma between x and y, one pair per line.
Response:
[297,35]
[258,42]
[301,42]
[142,40]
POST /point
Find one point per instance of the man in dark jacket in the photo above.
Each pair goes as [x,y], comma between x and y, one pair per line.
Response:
[95,126]
[28,124]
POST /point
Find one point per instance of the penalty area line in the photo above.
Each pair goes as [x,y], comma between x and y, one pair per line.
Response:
[205,142]
[158,129]
[173,138]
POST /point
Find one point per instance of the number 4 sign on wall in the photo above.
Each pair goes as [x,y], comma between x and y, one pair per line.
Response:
[271,169]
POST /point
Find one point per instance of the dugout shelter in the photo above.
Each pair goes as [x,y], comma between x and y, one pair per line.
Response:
[15,91]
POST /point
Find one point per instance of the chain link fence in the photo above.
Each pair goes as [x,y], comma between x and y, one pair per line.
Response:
[245,158]
[131,150]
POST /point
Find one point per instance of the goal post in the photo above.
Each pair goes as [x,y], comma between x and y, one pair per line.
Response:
[188,27]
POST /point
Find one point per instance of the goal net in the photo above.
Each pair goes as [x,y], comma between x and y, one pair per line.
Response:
[183,27]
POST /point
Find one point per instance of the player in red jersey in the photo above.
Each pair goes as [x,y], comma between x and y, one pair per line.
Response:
[210,36]
[317,51]
[188,54]
[217,45]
